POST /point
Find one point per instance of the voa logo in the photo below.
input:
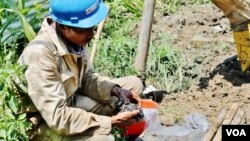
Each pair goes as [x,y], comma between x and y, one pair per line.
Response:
[236,132]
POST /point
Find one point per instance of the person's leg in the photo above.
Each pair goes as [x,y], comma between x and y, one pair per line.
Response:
[44,133]
[238,13]
[93,106]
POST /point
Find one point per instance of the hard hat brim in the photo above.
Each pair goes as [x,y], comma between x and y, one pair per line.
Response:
[90,21]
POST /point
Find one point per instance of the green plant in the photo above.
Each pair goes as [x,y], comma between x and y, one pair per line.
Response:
[116,50]
[116,54]
[18,9]
[200,1]
[13,102]
[14,12]
[171,6]
[13,122]
[115,58]
[168,6]
[118,134]
[14,128]
[165,65]
[135,6]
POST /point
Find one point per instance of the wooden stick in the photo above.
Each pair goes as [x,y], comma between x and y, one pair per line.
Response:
[97,36]
[229,117]
[238,117]
[231,113]
[144,37]
[243,120]
[210,134]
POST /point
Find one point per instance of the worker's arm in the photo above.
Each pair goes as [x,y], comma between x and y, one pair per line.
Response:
[46,90]
[96,87]
[100,88]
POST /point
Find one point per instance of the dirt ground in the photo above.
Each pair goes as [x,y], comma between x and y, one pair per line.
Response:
[204,36]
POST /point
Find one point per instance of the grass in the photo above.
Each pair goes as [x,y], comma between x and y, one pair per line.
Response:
[119,40]
[164,66]
[171,6]
[116,54]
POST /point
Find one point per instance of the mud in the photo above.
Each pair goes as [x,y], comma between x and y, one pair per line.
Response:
[203,35]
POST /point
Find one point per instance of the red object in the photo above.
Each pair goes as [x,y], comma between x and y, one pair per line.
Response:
[136,129]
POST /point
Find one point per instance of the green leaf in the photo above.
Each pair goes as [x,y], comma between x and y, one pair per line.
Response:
[23,88]
[21,4]
[27,125]
[10,129]
[2,134]
[22,68]
[12,132]
[28,30]
[9,114]
[13,103]
[1,86]
[22,116]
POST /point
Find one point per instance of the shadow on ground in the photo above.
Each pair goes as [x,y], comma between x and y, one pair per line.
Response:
[231,70]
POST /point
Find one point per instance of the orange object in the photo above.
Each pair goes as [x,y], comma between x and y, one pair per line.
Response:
[136,129]
[148,104]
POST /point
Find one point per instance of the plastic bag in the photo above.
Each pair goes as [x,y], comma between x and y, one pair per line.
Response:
[193,129]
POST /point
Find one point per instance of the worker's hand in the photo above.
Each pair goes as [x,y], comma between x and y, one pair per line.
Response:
[237,11]
[124,119]
[123,94]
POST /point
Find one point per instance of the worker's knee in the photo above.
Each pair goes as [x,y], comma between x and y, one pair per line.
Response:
[136,85]
[132,83]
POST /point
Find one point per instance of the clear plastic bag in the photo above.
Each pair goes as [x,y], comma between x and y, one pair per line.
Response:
[193,129]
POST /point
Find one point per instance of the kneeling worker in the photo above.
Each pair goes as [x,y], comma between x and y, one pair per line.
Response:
[74,102]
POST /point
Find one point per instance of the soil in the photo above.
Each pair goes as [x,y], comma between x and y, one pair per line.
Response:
[203,35]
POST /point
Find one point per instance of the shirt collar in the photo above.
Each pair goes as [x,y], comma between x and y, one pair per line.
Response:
[48,29]
[72,48]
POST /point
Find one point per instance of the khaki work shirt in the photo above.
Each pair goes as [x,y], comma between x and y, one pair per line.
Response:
[49,88]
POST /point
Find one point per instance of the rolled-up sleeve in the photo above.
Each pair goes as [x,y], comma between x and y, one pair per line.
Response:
[46,90]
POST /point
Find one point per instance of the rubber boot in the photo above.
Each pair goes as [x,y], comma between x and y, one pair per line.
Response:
[242,42]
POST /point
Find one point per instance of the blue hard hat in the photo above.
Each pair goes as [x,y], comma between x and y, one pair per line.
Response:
[78,13]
